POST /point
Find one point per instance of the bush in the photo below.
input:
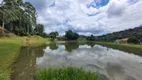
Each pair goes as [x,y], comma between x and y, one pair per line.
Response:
[133,40]
[67,73]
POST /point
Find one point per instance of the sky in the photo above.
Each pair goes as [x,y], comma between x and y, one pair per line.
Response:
[88,17]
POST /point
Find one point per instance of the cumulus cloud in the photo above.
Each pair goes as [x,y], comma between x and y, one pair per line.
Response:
[40,4]
[116,8]
[0,1]
[88,16]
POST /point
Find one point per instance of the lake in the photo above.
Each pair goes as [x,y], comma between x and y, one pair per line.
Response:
[112,63]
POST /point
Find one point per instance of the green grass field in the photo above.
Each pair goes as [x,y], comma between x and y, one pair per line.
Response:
[66,73]
[9,50]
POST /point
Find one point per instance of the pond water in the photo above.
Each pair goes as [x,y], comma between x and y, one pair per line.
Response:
[114,64]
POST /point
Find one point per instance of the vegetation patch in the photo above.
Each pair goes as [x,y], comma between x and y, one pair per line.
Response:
[66,73]
[34,41]
[5,33]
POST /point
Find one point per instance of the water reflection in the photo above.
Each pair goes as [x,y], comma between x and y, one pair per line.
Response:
[115,64]
[90,44]
[53,46]
[115,70]
[71,46]
[25,66]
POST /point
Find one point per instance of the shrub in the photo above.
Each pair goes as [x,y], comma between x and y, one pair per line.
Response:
[133,40]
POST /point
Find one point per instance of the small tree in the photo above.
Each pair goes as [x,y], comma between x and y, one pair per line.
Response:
[53,35]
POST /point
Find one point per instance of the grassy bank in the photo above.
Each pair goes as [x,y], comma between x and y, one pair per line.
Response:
[131,48]
[67,73]
[127,45]
[9,49]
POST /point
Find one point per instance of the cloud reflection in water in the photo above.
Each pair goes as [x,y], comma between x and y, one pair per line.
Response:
[115,64]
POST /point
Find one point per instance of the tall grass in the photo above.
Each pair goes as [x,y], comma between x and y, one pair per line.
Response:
[66,73]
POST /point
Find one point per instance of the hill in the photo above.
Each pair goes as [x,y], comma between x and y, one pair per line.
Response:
[129,33]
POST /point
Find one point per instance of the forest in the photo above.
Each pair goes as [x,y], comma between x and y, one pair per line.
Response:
[19,18]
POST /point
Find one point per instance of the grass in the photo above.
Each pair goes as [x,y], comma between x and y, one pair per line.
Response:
[9,51]
[35,41]
[128,45]
[66,73]
[131,48]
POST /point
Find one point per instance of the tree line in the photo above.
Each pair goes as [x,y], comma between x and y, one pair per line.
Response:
[134,36]
[20,18]
[69,35]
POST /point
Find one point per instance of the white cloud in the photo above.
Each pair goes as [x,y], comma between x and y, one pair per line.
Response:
[116,8]
[115,16]
[1,1]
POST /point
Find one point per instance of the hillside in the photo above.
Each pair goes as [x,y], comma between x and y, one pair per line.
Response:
[129,33]
[4,32]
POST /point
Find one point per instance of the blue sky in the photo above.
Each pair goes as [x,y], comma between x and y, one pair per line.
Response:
[88,16]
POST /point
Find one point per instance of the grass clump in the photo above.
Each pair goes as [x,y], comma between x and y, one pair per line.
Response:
[66,73]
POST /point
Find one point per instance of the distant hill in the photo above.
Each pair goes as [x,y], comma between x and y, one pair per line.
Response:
[129,33]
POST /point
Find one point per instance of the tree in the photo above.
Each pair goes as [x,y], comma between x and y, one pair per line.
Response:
[71,35]
[56,33]
[30,15]
[39,29]
[91,38]
[53,35]
[19,18]
[7,12]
